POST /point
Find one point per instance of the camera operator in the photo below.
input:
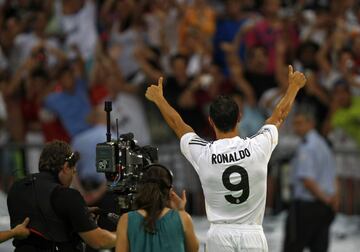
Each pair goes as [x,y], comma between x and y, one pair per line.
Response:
[155,226]
[59,217]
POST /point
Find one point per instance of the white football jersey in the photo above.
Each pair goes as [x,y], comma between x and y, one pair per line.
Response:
[233,174]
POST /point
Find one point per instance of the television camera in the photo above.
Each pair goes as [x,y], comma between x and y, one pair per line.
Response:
[123,163]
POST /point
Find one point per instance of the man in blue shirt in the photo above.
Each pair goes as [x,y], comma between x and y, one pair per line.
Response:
[315,192]
[85,143]
[71,104]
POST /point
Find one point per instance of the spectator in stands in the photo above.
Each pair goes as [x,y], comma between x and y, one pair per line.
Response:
[127,107]
[227,26]
[92,184]
[315,192]
[77,21]
[126,35]
[199,18]
[317,23]
[164,18]
[314,95]
[71,104]
[25,42]
[344,111]
[175,89]
[267,31]
[161,223]
[341,127]
[255,70]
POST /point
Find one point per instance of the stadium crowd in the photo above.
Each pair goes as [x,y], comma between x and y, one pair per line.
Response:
[60,59]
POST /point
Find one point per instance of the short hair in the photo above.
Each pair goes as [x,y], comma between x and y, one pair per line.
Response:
[55,154]
[307,45]
[341,83]
[66,68]
[307,111]
[176,57]
[40,73]
[250,53]
[224,112]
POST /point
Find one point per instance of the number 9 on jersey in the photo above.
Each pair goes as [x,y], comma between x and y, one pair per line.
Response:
[243,185]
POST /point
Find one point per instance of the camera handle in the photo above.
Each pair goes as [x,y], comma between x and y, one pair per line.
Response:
[108,108]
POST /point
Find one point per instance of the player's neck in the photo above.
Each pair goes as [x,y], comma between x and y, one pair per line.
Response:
[229,134]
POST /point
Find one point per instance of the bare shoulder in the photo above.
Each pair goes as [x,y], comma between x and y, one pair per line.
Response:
[123,220]
[183,214]
[185,218]
[124,217]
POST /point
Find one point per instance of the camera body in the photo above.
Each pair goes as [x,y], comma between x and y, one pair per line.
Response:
[123,163]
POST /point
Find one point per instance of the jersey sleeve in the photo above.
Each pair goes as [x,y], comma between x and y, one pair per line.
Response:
[266,138]
[69,204]
[191,146]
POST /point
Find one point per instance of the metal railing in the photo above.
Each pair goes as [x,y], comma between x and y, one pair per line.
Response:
[14,162]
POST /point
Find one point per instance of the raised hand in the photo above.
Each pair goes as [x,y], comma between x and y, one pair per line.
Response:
[155,92]
[176,202]
[296,78]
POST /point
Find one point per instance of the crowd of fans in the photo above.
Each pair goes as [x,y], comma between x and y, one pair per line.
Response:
[60,59]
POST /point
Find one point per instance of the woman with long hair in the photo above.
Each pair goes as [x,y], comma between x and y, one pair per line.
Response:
[160,224]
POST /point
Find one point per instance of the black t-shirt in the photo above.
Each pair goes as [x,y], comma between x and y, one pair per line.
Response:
[70,206]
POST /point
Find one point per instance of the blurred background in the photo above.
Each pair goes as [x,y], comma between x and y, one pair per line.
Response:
[61,59]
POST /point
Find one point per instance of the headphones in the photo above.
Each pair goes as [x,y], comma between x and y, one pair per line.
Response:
[155,180]
[71,159]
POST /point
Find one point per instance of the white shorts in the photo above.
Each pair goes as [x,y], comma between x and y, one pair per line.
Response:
[236,238]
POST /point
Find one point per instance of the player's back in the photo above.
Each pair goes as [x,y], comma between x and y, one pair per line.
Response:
[233,174]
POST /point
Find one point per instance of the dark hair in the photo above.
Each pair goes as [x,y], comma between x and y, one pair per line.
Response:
[178,57]
[307,45]
[307,111]
[66,68]
[250,53]
[345,50]
[224,112]
[153,194]
[55,154]
[40,73]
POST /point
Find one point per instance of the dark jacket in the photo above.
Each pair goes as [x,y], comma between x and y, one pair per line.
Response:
[31,197]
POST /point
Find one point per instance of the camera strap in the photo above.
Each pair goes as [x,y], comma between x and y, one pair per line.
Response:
[54,247]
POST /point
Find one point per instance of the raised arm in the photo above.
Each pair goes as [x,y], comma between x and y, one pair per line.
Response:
[297,80]
[154,93]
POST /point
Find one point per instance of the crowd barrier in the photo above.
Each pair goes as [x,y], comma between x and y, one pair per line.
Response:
[19,159]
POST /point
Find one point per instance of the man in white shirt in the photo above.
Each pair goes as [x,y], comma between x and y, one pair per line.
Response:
[232,170]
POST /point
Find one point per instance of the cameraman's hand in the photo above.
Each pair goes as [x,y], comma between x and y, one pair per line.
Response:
[21,231]
[94,213]
[176,202]
[155,92]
